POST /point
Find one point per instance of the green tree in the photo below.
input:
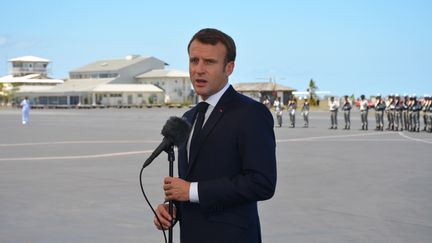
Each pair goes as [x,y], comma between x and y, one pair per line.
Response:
[312,95]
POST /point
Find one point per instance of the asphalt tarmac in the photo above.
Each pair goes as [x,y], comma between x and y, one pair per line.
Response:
[73,176]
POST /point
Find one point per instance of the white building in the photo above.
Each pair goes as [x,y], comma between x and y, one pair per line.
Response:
[175,83]
[26,74]
[118,82]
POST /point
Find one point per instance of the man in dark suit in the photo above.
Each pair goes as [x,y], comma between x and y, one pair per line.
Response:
[229,163]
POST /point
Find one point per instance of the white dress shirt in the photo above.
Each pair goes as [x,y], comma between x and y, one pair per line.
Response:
[212,101]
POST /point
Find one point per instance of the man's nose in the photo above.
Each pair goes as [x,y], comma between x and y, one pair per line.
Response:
[199,68]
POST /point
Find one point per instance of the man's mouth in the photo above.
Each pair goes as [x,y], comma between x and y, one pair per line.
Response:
[200,81]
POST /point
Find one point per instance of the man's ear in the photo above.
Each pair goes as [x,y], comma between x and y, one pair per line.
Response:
[229,68]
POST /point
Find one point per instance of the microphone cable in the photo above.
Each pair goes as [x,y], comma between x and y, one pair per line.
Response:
[148,202]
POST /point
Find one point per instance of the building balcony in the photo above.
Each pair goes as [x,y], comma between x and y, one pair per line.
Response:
[21,70]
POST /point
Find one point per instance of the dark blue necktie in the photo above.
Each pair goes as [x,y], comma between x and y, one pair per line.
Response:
[201,110]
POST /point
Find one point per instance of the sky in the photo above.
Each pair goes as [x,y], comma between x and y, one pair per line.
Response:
[346,47]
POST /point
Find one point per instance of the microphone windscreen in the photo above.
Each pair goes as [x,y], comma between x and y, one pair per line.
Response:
[176,130]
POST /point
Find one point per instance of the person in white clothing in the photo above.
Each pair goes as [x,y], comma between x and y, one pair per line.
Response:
[334,106]
[25,104]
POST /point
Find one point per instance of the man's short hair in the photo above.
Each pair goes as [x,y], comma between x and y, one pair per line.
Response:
[212,37]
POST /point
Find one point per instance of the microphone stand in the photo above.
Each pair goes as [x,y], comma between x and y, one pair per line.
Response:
[171,158]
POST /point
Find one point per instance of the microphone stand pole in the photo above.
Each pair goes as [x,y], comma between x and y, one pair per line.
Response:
[171,158]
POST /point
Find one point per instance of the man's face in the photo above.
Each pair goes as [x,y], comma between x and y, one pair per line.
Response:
[207,68]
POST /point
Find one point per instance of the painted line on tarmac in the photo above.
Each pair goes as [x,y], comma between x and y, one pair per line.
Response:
[78,142]
[92,156]
[414,139]
[334,136]
[367,140]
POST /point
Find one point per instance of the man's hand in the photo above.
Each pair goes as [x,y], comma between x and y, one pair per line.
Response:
[176,189]
[164,216]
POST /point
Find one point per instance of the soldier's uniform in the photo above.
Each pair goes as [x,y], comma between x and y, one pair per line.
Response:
[415,108]
[379,113]
[305,113]
[405,119]
[390,108]
[410,114]
[398,114]
[364,108]
[292,107]
[346,107]
[429,112]
[424,112]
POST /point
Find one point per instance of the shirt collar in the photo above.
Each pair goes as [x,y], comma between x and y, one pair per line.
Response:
[214,99]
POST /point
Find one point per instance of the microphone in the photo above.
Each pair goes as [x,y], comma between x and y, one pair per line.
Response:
[175,132]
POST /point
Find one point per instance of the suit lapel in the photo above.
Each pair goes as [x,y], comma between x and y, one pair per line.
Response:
[211,122]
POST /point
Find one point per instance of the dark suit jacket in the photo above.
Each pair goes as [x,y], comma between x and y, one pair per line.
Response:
[235,166]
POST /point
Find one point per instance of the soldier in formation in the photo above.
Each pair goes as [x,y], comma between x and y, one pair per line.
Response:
[379,107]
[305,113]
[429,114]
[346,107]
[390,112]
[364,109]
[292,107]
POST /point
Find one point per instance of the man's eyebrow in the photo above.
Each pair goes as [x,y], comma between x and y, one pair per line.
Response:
[210,59]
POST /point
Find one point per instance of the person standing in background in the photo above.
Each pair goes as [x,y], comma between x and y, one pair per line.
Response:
[405,106]
[379,107]
[333,106]
[305,113]
[398,123]
[424,111]
[277,104]
[292,107]
[389,112]
[25,104]
[364,108]
[346,107]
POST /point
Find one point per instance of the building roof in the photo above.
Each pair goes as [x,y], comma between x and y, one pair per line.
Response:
[100,86]
[261,86]
[28,59]
[29,79]
[127,88]
[112,65]
[79,85]
[33,88]
[163,73]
